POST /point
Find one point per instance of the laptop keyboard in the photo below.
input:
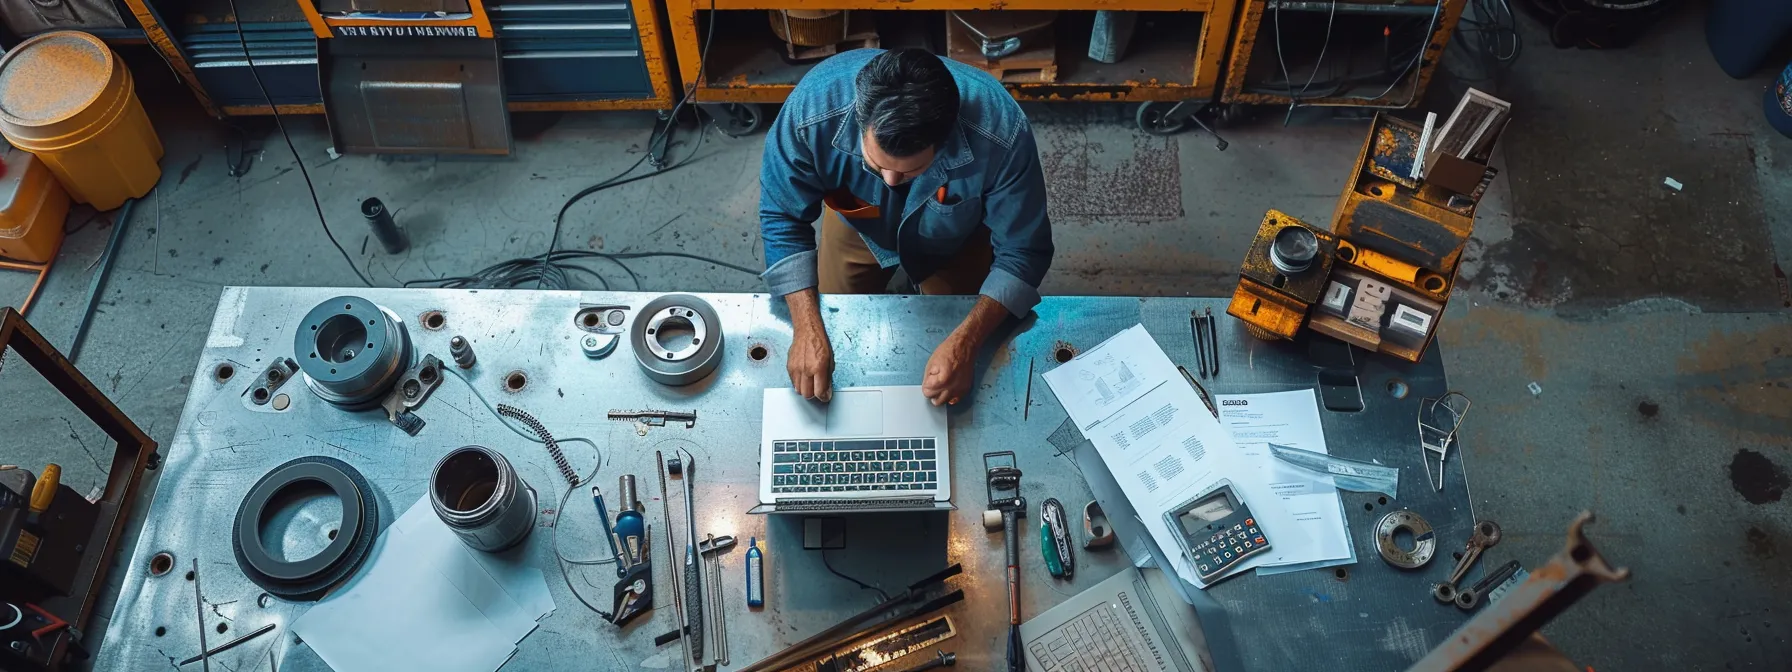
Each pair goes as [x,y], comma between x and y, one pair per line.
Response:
[854,465]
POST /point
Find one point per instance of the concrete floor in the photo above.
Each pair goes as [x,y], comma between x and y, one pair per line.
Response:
[1655,321]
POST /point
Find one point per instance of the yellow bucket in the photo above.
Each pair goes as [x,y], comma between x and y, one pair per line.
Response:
[65,97]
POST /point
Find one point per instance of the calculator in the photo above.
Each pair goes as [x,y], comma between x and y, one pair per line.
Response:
[1217,531]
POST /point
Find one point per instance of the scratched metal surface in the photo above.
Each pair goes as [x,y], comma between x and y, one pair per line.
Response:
[1376,618]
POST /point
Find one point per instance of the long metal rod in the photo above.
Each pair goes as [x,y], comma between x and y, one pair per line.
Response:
[677,598]
[98,283]
[230,644]
[693,566]
[199,611]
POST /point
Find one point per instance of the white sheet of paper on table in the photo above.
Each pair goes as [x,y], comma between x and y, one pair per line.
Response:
[423,600]
[1319,536]
[1108,377]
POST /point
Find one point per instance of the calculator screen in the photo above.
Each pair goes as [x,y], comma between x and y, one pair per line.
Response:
[1203,512]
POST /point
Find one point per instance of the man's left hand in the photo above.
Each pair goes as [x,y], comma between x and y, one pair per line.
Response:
[949,370]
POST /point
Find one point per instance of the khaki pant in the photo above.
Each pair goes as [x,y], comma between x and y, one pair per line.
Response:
[845,266]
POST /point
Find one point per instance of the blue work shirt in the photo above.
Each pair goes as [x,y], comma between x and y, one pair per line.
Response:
[989,167]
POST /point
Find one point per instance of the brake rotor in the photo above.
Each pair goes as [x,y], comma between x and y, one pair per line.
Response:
[677,362]
[1423,538]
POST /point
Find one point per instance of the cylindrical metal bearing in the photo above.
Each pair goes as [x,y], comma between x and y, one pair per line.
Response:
[352,351]
[678,362]
[482,499]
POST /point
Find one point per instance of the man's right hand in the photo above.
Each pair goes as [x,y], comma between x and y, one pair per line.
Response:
[811,360]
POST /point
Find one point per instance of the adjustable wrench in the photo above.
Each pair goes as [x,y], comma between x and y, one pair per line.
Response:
[1487,534]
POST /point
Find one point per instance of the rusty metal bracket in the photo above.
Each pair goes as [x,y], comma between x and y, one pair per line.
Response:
[1551,589]
[133,452]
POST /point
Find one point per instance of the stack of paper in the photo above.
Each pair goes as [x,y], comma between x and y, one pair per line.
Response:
[424,601]
[1163,447]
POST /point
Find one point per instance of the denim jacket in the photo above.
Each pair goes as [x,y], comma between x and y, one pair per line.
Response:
[989,167]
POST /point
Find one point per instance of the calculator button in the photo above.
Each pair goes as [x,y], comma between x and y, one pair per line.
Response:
[1247,544]
[1261,541]
[1250,521]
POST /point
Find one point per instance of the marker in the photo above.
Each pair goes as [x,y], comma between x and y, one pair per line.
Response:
[603,517]
[755,574]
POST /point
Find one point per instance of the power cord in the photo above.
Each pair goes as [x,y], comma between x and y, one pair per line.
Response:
[557,274]
[1418,56]
[1492,41]
[880,592]
[659,140]
[275,109]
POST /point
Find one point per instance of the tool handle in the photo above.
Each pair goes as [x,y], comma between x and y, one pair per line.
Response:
[693,604]
[603,518]
[1009,523]
[45,490]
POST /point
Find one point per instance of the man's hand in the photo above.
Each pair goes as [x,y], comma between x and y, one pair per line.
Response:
[811,360]
[949,371]
[948,375]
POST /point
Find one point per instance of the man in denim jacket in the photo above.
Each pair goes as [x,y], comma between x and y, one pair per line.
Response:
[921,162]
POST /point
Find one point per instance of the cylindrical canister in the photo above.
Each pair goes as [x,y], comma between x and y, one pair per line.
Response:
[67,98]
[380,220]
[477,493]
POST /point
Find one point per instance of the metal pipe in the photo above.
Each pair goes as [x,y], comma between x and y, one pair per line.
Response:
[230,644]
[380,220]
[677,597]
[98,283]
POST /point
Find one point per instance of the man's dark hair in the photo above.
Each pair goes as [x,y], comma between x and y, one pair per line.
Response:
[908,100]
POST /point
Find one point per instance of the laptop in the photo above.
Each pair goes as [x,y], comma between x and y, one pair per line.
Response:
[1132,622]
[869,449]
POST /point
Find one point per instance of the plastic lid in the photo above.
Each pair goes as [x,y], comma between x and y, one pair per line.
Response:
[53,76]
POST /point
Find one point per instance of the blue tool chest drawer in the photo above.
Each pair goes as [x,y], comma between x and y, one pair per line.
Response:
[561,50]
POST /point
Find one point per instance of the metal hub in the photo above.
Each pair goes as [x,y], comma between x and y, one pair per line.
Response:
[674,317]
[352,351]
[669,361]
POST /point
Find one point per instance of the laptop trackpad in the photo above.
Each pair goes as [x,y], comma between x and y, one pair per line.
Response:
[856,413]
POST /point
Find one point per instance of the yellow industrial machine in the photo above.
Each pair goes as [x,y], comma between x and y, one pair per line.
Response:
[1379,279]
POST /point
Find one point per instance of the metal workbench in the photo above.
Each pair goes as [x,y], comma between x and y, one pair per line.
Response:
[1365,616]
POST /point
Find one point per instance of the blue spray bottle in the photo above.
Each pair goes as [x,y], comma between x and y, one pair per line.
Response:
[755,574]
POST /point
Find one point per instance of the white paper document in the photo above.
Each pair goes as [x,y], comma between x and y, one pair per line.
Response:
[1164,447]
[1108,377]
[1318,536]
[424,600]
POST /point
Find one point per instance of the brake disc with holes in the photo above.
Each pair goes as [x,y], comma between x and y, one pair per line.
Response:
[677,338]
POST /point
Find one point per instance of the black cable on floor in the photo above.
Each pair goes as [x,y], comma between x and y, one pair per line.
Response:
[880,592]
[659,141]
[275,109]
